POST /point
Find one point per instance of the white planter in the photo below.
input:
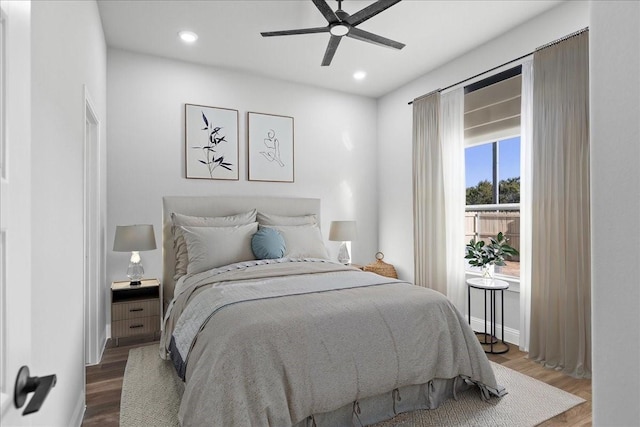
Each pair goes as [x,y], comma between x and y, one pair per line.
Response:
[488,271]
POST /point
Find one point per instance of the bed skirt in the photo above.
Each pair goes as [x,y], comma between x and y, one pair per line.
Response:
[385,406]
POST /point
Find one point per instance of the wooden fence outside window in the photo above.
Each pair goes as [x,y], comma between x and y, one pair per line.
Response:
[485,224]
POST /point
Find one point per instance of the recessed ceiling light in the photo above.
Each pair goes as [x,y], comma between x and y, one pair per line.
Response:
[359,75]
[188,36]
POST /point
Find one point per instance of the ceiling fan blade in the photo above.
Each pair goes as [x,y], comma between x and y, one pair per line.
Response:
[370,11]
[334,41]
[365,36]
[328,13]
[293,32]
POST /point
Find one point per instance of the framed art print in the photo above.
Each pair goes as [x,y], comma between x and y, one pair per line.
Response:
[270,147]
[211,142]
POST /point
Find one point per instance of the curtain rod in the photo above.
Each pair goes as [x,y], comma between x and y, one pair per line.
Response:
[426,94]
[568,36]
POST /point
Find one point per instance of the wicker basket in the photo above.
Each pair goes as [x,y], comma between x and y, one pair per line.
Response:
[380,267]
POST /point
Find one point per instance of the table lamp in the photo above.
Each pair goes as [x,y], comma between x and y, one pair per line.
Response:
[134,238]
[343,231]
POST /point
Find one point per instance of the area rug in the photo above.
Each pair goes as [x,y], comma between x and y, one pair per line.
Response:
[151,397]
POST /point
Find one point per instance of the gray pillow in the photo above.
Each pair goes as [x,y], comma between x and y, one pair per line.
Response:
[212,247]
[271,219]
[179,246]
[301,241]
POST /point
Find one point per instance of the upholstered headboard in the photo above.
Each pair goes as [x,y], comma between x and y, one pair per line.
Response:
[220,206]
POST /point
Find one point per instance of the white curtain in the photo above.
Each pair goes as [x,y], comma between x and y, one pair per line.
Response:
[452,131]
[439,194]
[526,153]
[428,196]
[561,257]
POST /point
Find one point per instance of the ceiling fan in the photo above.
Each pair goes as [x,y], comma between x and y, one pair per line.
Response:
[342,24]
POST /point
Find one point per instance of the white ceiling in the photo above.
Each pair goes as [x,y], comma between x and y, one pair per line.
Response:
[434,32]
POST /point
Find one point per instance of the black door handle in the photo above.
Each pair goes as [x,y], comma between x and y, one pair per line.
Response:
[26,384]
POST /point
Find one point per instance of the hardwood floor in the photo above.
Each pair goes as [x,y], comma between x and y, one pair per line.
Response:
[104,385]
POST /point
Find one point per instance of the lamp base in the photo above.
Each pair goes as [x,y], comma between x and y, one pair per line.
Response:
[343,254]
[135,272]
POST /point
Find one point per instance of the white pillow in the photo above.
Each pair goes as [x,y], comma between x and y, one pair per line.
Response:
[212,247]
[302,241]
[179,246]
[271,219]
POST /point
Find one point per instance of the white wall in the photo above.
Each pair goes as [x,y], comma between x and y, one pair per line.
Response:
[335,139]
[614,39]
[68,51]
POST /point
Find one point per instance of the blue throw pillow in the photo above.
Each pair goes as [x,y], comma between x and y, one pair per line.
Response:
[268,243]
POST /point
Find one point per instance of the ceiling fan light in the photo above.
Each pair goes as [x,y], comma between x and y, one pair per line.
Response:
[188,36]
[339,30]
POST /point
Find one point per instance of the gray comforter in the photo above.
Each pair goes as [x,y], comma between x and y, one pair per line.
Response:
[272,343]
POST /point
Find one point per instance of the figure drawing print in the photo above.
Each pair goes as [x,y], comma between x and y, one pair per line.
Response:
[272,151]
[270,147]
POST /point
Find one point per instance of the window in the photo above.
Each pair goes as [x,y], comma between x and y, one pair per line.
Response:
[492,173]
[492,161]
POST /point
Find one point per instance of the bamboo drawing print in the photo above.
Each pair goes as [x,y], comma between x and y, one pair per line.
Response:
[211,142]
[215,137]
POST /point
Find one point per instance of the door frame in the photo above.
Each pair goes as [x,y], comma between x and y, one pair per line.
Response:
[94,334]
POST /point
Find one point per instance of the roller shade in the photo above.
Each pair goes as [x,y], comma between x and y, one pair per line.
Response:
[493,112]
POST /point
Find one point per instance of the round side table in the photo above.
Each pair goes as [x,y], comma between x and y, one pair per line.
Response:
[492,286]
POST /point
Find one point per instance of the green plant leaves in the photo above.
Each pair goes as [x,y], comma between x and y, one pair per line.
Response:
[480,254]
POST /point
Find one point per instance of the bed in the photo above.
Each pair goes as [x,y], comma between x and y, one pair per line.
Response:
[298,339]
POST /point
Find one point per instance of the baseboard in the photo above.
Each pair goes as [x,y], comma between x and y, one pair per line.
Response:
[102,344]
[511,335]
[78,412]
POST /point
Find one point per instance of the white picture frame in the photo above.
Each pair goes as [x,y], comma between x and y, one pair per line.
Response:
[211,142]
[270,147]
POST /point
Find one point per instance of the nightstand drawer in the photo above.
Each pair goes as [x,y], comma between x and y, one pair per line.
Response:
[134,309]
[141,325]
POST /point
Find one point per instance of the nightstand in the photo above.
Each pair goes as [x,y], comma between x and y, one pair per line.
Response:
[135,310]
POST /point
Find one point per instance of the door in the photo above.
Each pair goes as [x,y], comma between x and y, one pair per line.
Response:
[15,199]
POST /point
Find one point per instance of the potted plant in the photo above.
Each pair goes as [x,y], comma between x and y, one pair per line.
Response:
[487,256]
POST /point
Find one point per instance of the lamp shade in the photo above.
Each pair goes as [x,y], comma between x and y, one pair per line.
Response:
[343,231]
[139,237]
